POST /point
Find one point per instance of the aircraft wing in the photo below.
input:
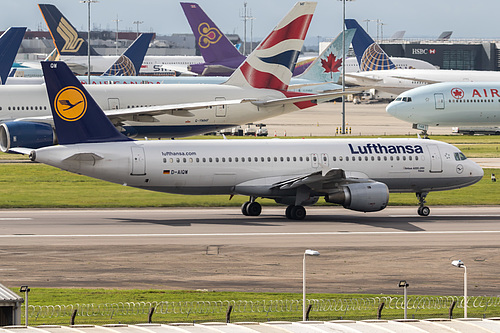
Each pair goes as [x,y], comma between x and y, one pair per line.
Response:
[313,98]
[218,69]
[413,78]
[363,77]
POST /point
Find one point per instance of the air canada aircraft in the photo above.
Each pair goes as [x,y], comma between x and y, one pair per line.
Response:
[356,173]
[257,90]
[449,104]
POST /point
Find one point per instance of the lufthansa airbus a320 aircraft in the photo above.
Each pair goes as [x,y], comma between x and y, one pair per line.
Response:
[356,173]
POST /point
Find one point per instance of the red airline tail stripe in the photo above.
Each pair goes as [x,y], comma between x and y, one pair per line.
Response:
[258,79]
[297,29]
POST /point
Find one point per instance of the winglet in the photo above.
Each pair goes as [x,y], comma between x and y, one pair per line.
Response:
[77,117]
[63,33]
[369,54]
[9,45]
[271,64]
[130,62]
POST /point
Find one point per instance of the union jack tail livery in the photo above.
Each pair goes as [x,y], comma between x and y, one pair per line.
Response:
[370,55]
[271,64]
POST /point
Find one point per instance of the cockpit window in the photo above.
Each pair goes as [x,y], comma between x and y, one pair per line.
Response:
[406,99]
[399,98]
[460,157]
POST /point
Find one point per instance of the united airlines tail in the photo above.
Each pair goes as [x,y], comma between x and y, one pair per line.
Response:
[213,44]
[64,34]
[328,66]
[369,54]
[129,63]
[9,45]
[271,64]
[77,117]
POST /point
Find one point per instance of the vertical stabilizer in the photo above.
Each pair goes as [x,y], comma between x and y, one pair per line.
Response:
[129,63]
[77,117]
[271,64]
[9,45]
[212,43]
[328,66]
[63,33]
[370,55]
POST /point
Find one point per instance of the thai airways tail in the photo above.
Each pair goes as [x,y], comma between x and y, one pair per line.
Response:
[369,54]
[271,64]
[64,34]
[213,44]
[9,45]
[129,63]
[328,66]
[77,117]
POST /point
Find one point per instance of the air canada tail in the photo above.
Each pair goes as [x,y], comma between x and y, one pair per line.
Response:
[271,64]
[369,54]
[213,44]
[129,63]
[328,66]
[64,34]
[9,45]
[77,117]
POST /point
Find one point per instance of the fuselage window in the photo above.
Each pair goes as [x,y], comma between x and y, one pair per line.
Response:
[269,159]
[230,159]
[9,108]
[282,159]
[404,158]
[307,158]
[256,159]
[204,160]
[392,158]
[373,158]
[171,160]
[210,159]
[223,160]
[397,158]
[288,158]
[262,159]
[243,159]
[184,160]
[178,160]
[295,158]
[236,159]
[275,159]
[164,160]
[416,158]
[378,158]
[347,158]
[301,158]
[334,158]
[385,158]
[340,158]
[409,158]
[197,160]
[190,160]
[360,158]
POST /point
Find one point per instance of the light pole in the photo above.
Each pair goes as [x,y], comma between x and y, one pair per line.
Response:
[88,2]
[25,290]
[137,23]
[306,253]
[116,36]
[343,67]
[460,264]
[403,284]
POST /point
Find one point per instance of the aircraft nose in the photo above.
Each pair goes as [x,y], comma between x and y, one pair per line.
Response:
[476,173]
[392,108]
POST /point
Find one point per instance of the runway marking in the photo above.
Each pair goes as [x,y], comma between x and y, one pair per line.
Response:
[242,234]
[15,218]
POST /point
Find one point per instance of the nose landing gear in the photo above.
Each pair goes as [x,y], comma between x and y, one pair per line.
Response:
[423,210]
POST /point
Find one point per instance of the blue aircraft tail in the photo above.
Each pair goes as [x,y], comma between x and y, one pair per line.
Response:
[369,54]
[9,45]
[77,117]
[64,34]
[213,44]
[328,66]
[129,63]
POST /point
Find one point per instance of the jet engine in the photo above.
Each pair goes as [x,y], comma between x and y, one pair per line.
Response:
[361,197]
[25,134]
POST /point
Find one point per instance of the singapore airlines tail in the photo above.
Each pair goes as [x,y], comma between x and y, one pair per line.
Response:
[76,115]
[370,55]
[64,34]
[271,64]
[129,63]
[9,44]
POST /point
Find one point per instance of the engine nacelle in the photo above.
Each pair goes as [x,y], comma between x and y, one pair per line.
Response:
[291,201]
[362,197]
[25,134]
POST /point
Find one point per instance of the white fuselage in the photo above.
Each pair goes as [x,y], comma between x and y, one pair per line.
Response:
[397,81]
[352,65]
[251,167]
[450,104]
[31,101]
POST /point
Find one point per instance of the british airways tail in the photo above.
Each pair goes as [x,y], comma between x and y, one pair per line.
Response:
[129,63]
[9,45]
[77,117]
[213,44]
[271,64]
[369,54]
[328,66]
[64,34]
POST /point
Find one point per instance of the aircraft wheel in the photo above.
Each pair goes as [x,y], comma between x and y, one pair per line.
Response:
[424,211]
[298,212]
[288,212]
[244,208]
[254,209]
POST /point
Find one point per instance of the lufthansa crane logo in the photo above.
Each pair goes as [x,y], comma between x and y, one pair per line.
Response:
[208,35]
[70,104]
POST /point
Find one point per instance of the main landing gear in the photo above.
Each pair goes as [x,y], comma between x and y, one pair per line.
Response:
[253,208]
[423,210]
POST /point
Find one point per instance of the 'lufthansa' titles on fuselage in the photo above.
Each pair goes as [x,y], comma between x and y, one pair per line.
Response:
[377,148]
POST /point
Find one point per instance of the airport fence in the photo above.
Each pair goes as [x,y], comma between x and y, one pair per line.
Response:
[419,307]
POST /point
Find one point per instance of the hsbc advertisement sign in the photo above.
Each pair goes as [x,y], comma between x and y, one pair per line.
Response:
[423,51]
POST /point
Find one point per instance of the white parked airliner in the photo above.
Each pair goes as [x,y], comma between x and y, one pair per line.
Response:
[356,173]
[449,104]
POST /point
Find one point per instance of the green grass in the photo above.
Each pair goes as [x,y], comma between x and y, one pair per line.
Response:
[24,185]
[48,296]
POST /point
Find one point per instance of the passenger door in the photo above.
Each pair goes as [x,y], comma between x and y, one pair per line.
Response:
[220,110]
[436,162]
[138,162]
[113,103]
[439,100]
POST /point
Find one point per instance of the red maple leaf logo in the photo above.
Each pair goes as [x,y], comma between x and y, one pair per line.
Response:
[331,64]
[457,93]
